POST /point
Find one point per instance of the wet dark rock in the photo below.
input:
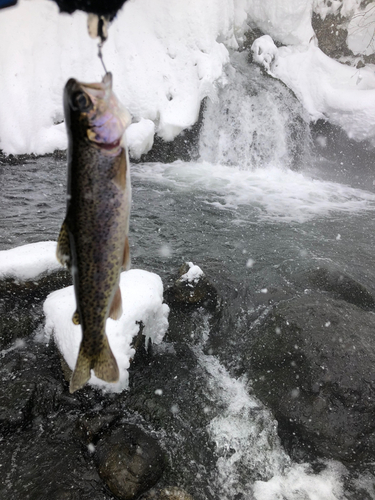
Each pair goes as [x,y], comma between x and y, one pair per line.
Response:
[312,362]
[41,464]
[196,292]
[28,388]
[92,424]
[331,35]
[340,284]
[168,493]
[21,304]
[129,461]
[16,404]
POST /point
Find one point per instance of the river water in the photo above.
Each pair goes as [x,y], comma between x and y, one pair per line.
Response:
[265,199]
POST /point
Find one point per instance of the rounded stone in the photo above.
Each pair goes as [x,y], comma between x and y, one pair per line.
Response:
[129,461]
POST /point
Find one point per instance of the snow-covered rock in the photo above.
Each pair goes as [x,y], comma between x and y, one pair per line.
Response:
[29,261]
[341,94]
[142,301]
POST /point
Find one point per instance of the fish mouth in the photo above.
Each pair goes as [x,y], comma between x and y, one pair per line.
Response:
[99,90]
[99,112]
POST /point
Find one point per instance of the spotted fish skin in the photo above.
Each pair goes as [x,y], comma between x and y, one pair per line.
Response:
[93,240]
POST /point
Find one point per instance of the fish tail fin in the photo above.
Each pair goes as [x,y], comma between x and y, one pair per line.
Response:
[104,366]
[81,372]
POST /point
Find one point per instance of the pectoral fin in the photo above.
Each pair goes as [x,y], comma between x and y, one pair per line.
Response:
[121,172]
[63,253]
[116,306]
[76,318]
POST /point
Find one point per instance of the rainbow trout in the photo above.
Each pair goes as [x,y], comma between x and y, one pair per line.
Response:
[93,240]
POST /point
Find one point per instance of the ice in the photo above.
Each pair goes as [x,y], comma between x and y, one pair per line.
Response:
[142,301]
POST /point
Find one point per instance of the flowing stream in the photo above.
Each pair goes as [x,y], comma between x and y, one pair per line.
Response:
[260,203]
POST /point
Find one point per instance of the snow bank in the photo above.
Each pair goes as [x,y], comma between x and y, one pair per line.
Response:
[288,21]
[343,95]
[164,55]
[29,261]
[142,299]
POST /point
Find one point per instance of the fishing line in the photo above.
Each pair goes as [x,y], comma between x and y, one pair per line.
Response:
[102,34]
[100,55]
[98,28]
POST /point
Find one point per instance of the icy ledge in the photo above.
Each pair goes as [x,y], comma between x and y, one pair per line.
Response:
[142,301]
[340,94]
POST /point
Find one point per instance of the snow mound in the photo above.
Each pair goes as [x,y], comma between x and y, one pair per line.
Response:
[264,51]
[193,275]
[29,261]
[142,301]
[140,137]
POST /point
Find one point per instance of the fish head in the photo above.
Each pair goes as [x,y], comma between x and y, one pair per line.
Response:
[93,110]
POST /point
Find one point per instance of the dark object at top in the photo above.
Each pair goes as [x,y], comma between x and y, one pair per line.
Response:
[7,3]
[108,8]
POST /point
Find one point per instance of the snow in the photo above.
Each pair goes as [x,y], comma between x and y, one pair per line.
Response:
[142,301]
[343,95]
[28,262]
[361,34]
[140,137]
[193,275]
[289,21]
[164,63]
[264,51]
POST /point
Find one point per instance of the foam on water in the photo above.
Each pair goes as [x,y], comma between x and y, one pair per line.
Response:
[251,461]
[275,194]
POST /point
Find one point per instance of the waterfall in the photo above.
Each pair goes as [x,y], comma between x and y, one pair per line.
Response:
[254,121]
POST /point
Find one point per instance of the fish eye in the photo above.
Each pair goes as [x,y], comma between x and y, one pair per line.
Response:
[81,101]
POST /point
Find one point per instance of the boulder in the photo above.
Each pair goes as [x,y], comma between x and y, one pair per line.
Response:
[312,363]
[339,284]
[191,288]
[129,461]
[168,493]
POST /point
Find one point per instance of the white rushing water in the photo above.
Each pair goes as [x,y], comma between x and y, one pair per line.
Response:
[247,443]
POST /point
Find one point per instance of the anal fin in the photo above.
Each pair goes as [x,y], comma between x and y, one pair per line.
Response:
[115,311]
[126,256]
[63,253]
